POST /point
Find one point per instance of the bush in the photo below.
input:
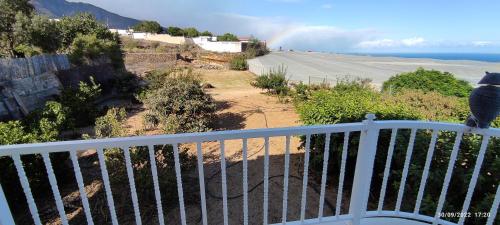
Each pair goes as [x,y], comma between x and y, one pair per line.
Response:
[178,101]
[115,162]
[227,37]
[110,125]
[351,102]
[80,103]
[148,27]
[429,80]
[191,32]
[275,81]
[82,24]
[256,48]
[238,63]
[87,49]
[175,31]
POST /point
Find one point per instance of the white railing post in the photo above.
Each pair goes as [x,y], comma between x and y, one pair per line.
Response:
[364,170]
[5,214]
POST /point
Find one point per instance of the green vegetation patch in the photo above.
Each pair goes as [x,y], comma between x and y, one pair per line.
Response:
[429,80]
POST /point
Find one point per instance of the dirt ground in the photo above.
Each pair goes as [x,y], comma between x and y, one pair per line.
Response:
[241,106]
[245,107]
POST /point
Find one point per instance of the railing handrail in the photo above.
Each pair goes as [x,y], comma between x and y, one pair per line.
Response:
[59,146]
[369,129]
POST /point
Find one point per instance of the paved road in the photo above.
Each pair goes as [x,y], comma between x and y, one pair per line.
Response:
[305,66]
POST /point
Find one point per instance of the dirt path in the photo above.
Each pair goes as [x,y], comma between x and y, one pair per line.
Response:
[241,106]
[245,107]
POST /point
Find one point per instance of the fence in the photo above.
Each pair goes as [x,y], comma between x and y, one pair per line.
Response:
[358,212]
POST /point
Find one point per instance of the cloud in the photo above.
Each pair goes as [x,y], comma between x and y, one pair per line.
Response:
[413,41]
[390,43]
[327,6]
[482,43]
[280,32]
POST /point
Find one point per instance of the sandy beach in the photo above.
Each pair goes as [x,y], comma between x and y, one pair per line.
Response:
[314,67]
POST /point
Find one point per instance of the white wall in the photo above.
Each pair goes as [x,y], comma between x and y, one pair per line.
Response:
[209,44]
[139,35]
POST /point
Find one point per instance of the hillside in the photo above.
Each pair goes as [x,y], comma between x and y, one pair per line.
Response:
[59,8]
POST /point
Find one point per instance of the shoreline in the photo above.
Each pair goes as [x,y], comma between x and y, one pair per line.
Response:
[315,67]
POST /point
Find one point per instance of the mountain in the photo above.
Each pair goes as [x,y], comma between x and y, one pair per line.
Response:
[60,8]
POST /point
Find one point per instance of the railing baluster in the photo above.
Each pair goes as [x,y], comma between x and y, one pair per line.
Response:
[266,180]
[406,167]
[449,171]
[81,187]
[107,186]
[364,170]
[156,185]
[55,188]
[494,207]
[285,180]
[26,189]
[224,182]
[201,178]
[131,180]
[473,180]
[178,176]
[326,156]
[303,201]
[245,181]
[5,213]
[387,169]
[425,174]
[345,149]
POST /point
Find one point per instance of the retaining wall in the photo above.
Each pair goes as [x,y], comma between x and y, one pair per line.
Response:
[27,83]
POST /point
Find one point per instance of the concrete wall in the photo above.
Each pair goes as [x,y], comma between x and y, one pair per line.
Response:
[165,38]
[218,46]
[26,83]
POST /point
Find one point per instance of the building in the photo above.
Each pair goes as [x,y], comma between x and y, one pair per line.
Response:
[211,44]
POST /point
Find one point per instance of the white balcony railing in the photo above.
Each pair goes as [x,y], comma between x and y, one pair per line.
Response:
[358,212]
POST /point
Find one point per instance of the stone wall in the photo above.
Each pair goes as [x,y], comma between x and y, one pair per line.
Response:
[132,58]
[27,83]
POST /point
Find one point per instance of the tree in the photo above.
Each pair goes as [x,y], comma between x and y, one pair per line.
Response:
[148,27]
[227,37]
[44,34]
[206,33]
[191,32]
[83,23]
[175,31]
[9,10]
[87,48]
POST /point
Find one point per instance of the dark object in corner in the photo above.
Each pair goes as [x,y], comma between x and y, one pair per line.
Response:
[484,102]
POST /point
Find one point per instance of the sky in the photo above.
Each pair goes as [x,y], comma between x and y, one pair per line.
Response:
[356,26]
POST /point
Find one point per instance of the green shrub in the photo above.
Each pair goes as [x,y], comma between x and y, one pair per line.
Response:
[178,101]
[227,37]
[191,32]
[351,102]
[256,48]
[81,102]
[110,125]
[429,80]
[148,27]
[238,63]
[82,24]
[165,163]
[86,49]
[13,132]
[175,31]
[206,33]
[274,82]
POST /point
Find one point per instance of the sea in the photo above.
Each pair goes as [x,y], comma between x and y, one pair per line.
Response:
[483,57]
